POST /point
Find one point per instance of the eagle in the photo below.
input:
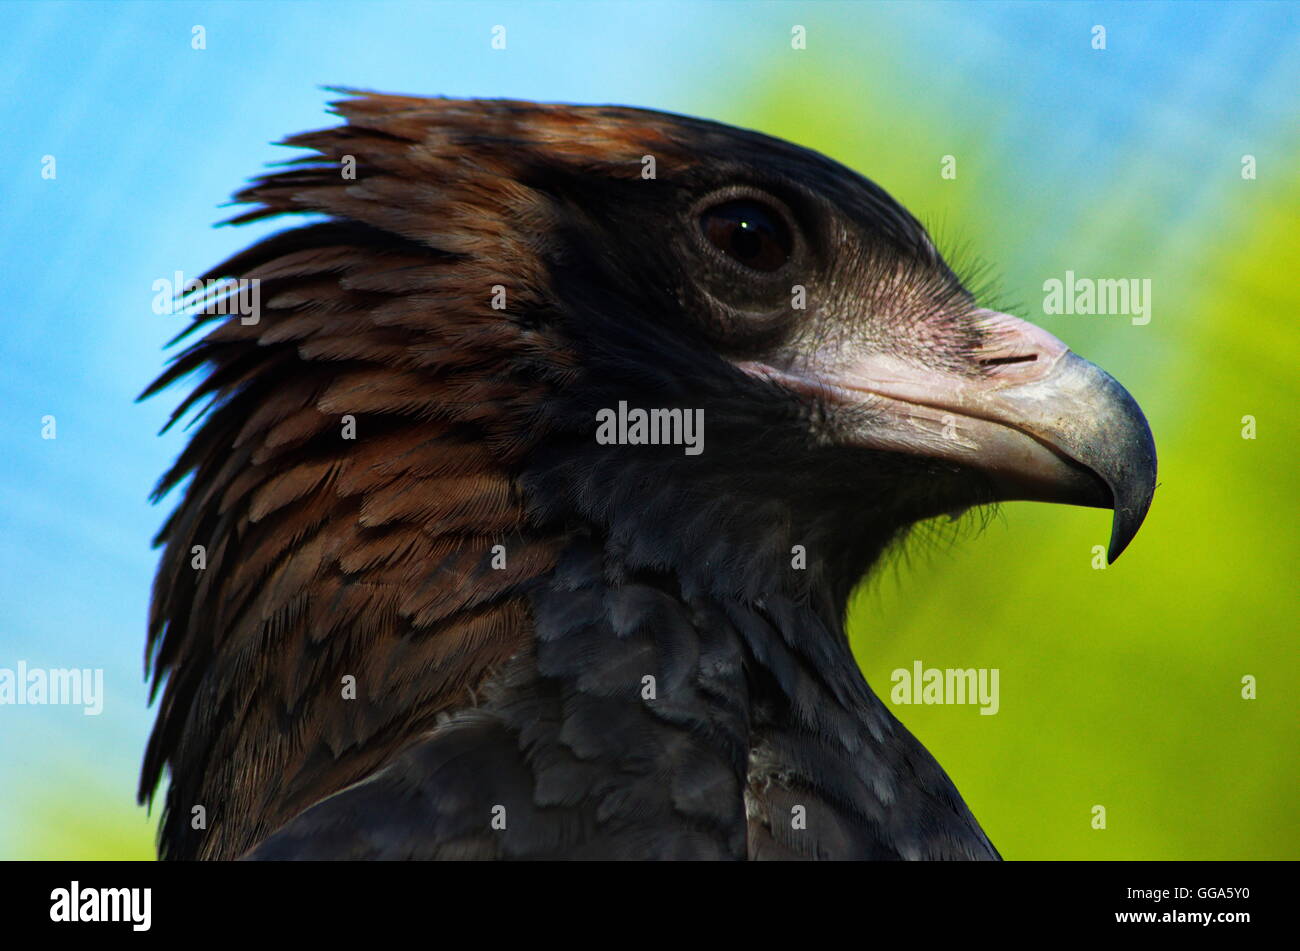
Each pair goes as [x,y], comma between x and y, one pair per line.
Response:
[520,516]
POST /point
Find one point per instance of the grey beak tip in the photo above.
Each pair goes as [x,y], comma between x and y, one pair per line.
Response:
[1134,491]
[1128,519]
[1120,536]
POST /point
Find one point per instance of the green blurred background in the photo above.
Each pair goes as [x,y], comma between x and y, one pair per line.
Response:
[1120,687]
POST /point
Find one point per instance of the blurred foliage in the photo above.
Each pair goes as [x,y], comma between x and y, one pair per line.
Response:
[83,819]
[1119,687]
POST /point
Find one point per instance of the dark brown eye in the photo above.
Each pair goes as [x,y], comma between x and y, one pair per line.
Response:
[749,233]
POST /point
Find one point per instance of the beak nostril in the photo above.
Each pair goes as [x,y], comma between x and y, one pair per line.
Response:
[1002,361]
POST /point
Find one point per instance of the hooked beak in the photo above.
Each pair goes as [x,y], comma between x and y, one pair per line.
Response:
[1040,421]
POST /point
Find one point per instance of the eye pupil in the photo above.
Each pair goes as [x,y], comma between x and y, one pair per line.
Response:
[746,241]
[748,232]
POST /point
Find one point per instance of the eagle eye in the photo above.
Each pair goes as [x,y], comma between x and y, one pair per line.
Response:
[749,232]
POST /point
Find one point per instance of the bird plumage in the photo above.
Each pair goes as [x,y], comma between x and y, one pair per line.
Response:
[558,648]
